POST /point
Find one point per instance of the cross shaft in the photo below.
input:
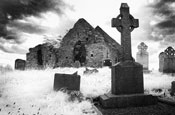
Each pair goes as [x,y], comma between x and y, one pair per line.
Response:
[125,24]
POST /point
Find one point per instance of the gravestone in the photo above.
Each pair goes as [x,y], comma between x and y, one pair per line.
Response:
[69,82]
[127,76]
[107,61]
[173,88]
[167,61]
[142,56]
[20,64]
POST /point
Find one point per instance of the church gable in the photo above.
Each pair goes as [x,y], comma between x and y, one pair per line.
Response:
[82,31]
[96,46]
[82,44]
[115,48]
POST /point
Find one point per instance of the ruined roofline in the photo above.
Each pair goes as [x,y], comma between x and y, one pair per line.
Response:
[39,46]
[83,23]
[106,36]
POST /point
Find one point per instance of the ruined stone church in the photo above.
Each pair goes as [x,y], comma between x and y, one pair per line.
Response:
[84,44]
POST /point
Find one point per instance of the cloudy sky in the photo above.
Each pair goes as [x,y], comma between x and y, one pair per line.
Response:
[26,23]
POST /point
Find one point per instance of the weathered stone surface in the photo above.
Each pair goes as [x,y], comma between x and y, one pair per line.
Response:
[82,43]
[77,64]
[132,100]
[127,75]
[127,78]
[173,88]
[41,56]
[167,61]
[142,56]
[67,81]
[125,23]
[20,64]
[113,46]
[92,41]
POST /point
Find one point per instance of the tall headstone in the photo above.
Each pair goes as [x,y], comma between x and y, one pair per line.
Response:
[20,64]
[142,56]
[127,76]
[167,61]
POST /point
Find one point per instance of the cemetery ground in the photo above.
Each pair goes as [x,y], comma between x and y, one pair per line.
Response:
[31,92]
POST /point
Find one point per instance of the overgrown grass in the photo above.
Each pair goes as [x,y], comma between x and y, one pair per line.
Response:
[31,91]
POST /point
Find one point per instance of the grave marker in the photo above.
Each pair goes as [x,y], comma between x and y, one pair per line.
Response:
[20,64]
[67,81]
[142,56]
[167,61]
[127,76]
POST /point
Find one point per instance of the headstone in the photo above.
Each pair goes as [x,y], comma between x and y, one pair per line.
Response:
[167,61]
[142,56]
[20,64]
[107,61]
[127,76]
[69,82]
[173,88]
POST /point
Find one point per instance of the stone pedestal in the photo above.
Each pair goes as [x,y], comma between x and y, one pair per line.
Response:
[131,100]
[127,78]
[127,87]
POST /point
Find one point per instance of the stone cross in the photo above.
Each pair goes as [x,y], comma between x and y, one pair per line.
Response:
[125,24]
[142,47]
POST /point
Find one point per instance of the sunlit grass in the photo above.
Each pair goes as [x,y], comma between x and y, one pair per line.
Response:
[32,91]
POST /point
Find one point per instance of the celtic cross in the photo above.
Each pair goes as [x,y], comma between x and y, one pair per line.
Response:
[125,24]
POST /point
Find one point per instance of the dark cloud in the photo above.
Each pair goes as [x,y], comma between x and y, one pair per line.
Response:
[166,24]
[16,9]
[165,27]
[26,27]
[11,10]
[11,29]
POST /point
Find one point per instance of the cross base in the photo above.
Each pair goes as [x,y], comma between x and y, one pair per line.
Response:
[132,100]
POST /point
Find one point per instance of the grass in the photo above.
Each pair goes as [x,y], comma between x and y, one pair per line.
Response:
[31,91]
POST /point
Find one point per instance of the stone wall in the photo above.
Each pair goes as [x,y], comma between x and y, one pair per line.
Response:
[41,56]
[82,43]
[96,45]
[96,54]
